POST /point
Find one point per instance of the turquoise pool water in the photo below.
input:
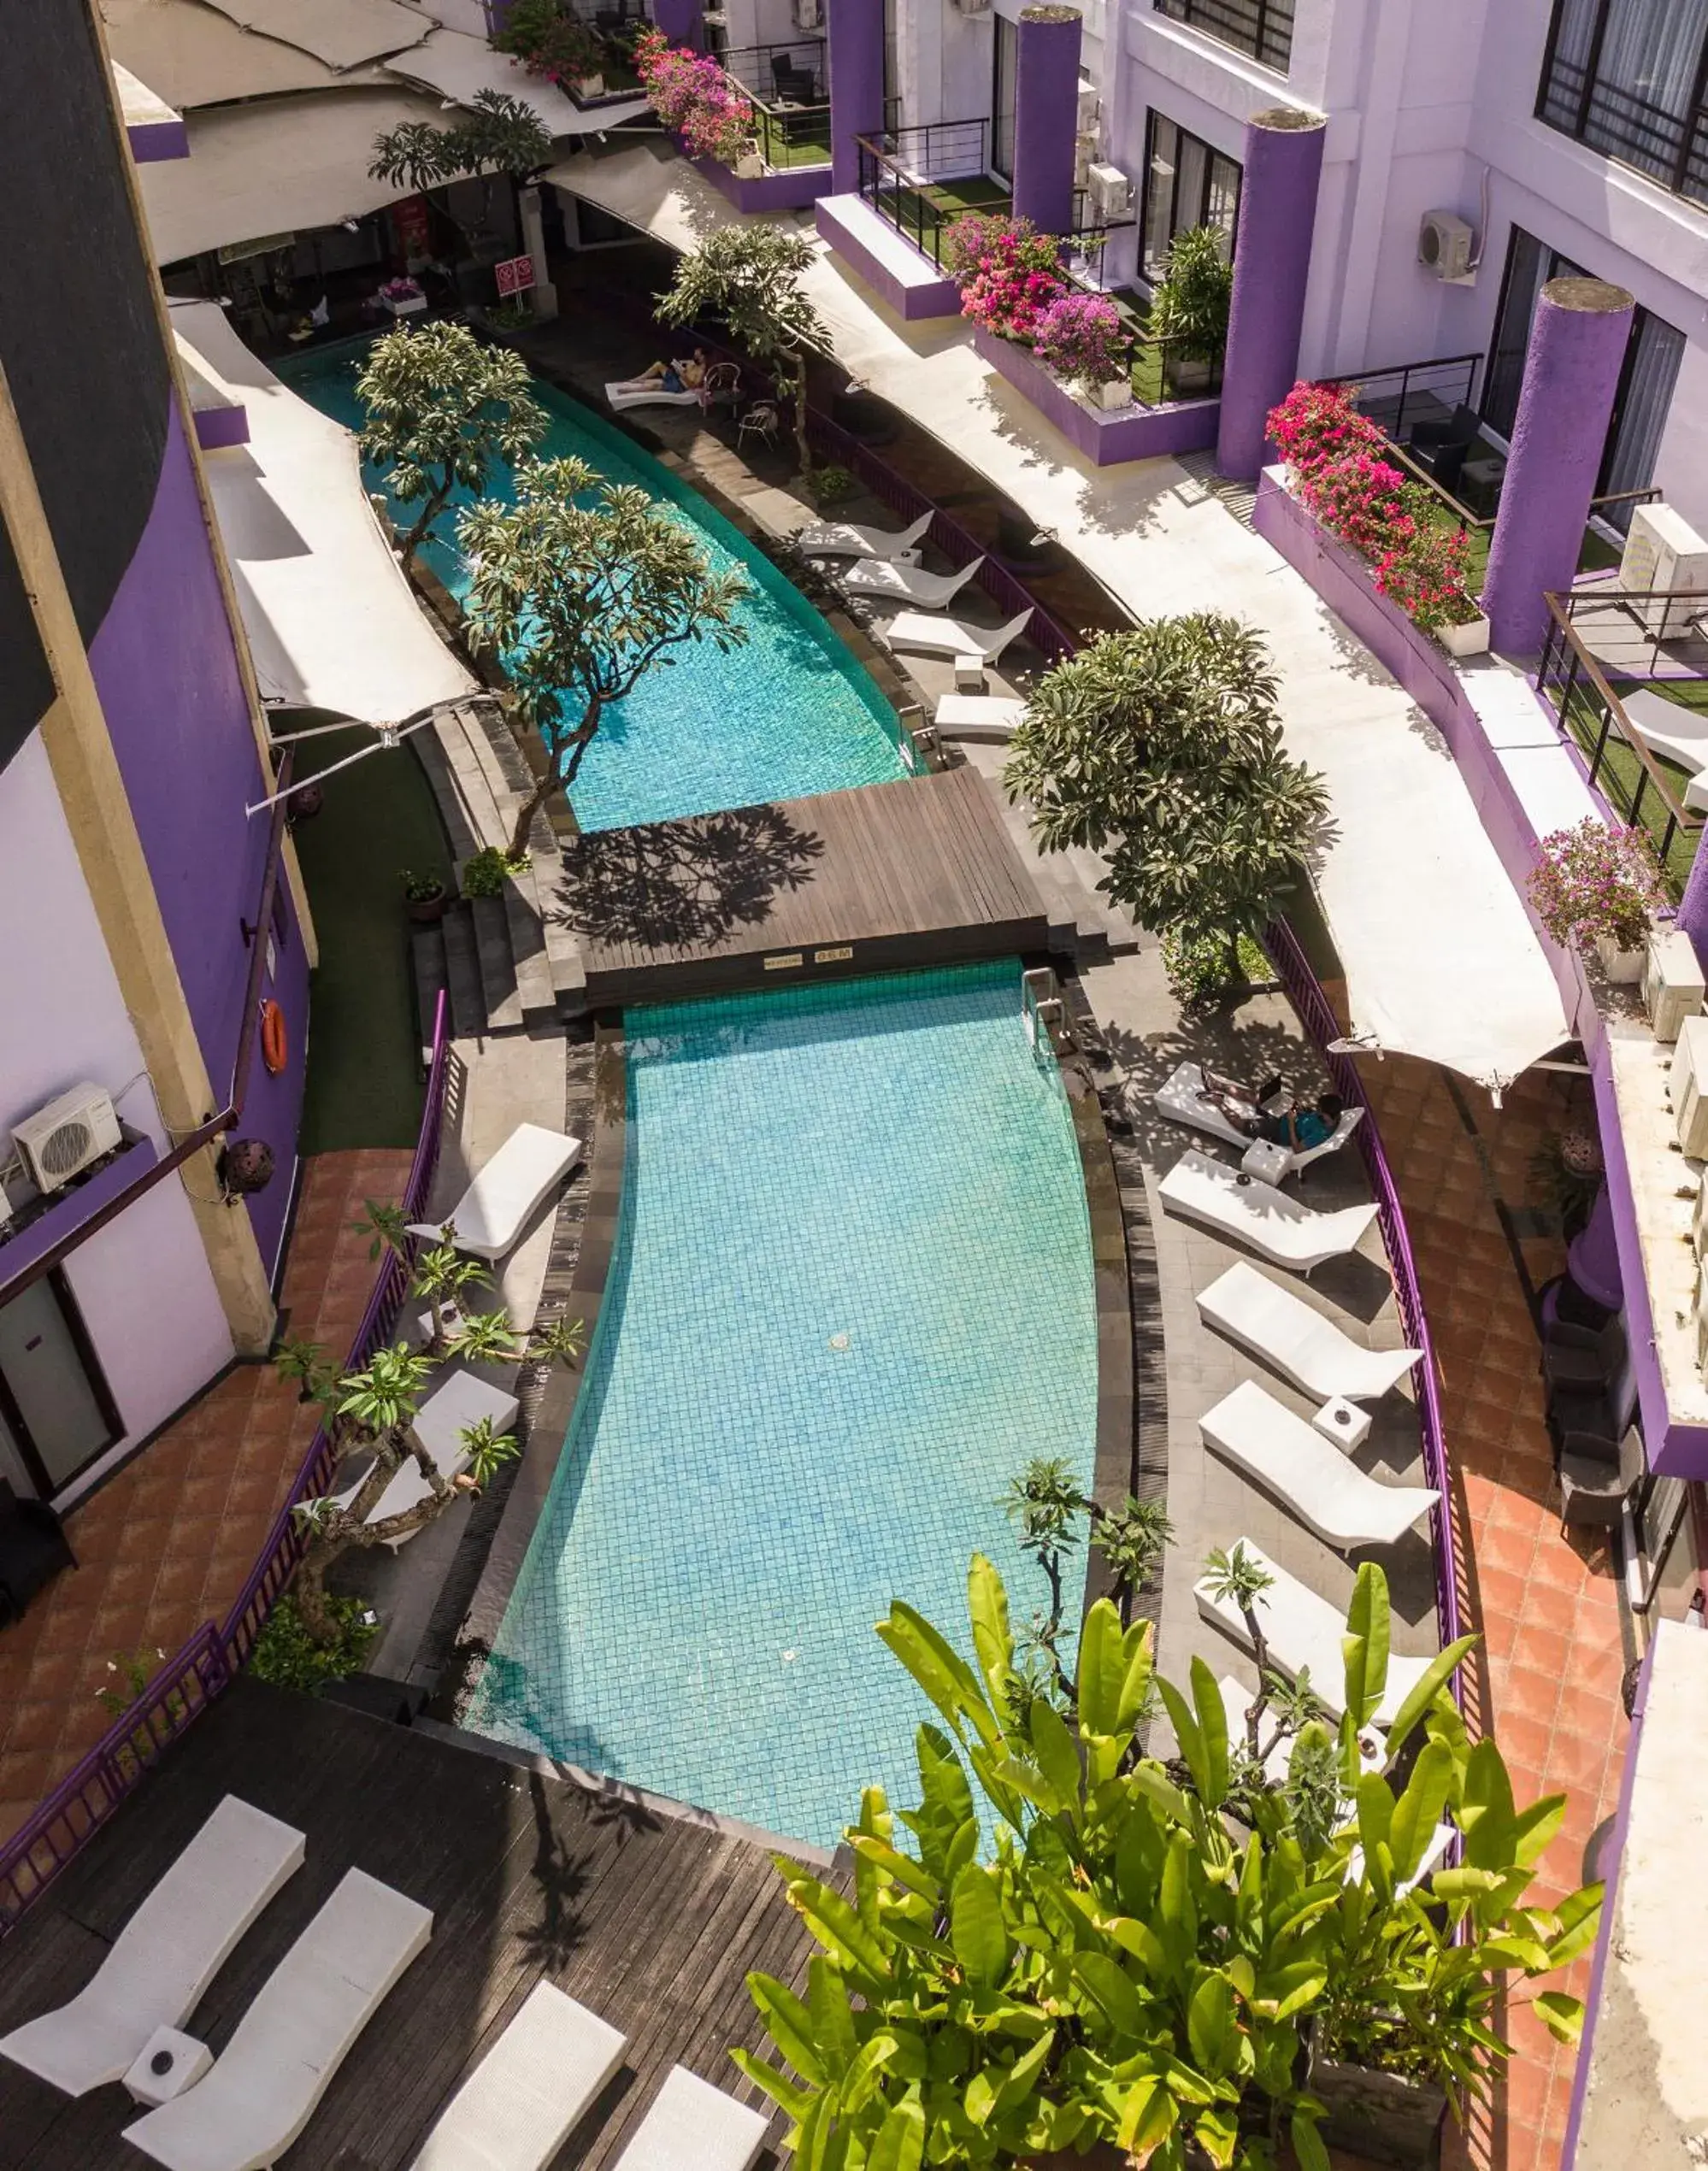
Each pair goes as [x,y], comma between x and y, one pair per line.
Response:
[852,1295]
[790,714]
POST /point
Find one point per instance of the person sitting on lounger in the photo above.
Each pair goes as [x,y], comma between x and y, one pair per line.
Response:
[1283,1122]
[686,375]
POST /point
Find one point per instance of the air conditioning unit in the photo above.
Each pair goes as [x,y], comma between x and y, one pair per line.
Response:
[1090,109]
[1687,1082]
[59,1140]
[1109,191]
[1085,154]
[972,7]
[808,14]
[1673,987]
[1663,552]
[1444,244]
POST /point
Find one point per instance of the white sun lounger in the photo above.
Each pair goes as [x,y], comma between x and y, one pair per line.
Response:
[1182,1099]
[498,1205]
[844,539]
[651,394]
[1237,1700]
[261,2090]
[989,716]
[1303,1631]
[1303,1346]
[907,583]
[1269,1221]
[458,1403]
[158,1966]
[1667,727]
[693,2127]
[912,629]
[1307,1474]
[530,2091]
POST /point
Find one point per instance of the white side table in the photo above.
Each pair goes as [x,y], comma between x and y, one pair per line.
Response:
[1343,1422]
[169,2062]
[969,674]
[1266,1161]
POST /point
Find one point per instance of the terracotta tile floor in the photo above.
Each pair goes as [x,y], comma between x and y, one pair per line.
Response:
[1546,1679]
[169,1542]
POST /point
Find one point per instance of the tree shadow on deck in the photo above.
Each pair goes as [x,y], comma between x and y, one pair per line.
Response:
[683,885]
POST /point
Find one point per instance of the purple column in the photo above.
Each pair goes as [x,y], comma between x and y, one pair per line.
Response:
[1593,1258]
[1283,156]
[679,20]
[854,37]
[1046,114]
[1692,910]
[1571,372]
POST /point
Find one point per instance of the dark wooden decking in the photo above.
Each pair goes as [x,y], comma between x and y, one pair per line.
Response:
[653,1922]
[917,872]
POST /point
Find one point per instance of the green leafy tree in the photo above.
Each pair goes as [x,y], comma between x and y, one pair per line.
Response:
[498,134]
[1064,1944]
[583,586]
[1162,749]
[750,277]
[1190,303]
[440,407]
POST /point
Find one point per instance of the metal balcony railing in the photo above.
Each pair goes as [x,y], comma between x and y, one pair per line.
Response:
[922,180]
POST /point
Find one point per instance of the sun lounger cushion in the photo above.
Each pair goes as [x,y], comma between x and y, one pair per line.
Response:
[978,715]
[498,1205]
[1668,726]
[907,583]
[530,2091]
[304,2020]
[1269,1221]
[1303,1631]
[458,1403]
[845,539]
[171,1949]
[1307,1474]
[693,2127]
[914,629]
[652,395]
[1302,1345]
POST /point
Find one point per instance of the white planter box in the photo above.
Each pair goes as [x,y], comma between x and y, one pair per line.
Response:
[1624,967]
[749,166]
[590,86]
[1471,639]
[1117,393]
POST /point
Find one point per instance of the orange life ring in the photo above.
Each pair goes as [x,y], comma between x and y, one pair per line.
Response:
[275,1048]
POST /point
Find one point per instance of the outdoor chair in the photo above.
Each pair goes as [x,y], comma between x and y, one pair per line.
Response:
[1182,1097]
[1581,1356]
[913,629]
[1600,1415]
[1308,1473]
[900,582]
[760,421]
[33,1548]
[1594,1485]
[1303,1631]
[530,2091]
[844,539]
[497,1206]
[650,391]
[1268,1222]
[155,1970]
[1303,1346]
[798,85]
[1443,447]
[693,2127]
[263,2088]
[989,716]
[459,1402]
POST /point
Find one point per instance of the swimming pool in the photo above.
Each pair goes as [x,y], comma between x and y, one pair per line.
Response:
[791,714]
[852,1295]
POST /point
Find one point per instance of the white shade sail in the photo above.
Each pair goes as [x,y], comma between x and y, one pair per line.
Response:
[460,68]
[332,622]
[193,56]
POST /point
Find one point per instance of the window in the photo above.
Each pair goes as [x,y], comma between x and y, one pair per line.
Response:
[1187,185]
[1628,78]
[55,1413]
[1646,381]
[1002,98]
[1262,28]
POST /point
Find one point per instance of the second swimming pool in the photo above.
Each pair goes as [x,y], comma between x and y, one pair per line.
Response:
[789,715]
[852,1295]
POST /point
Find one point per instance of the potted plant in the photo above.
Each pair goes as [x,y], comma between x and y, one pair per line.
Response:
[424,897]
[1082,339]
[1597,886]
[1189,307]
[549,41]
[1010,273]
[484,872]
[1425,570]
[826,485]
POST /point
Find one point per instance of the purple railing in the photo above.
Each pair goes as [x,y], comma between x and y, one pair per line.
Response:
[83,1801]
[1304,991]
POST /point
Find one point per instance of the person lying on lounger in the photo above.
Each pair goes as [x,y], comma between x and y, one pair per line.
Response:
[1284,1122]
[686,375]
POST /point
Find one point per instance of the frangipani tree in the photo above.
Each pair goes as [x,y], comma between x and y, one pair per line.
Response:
[440,408]
[498,134]
[1067,1942]
[750,277]
[582,586]
[1162,749]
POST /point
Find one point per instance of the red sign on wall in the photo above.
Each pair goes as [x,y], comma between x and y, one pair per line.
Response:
[515,275]
[409,224]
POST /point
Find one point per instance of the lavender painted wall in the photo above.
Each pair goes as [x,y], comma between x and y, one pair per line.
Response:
[217,427]
[156,139]
[854,31]
[791,189]
[1692,910]
[839,218]
[679,19]
[166,667]
[1283,163]
[1046,92]
[1105,439]
[1571,373]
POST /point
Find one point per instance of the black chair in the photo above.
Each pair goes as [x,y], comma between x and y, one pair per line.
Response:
[1592,1418]
[1596,1479]
[1581,1356]
[798,85]
[1428,440]
[33,1548]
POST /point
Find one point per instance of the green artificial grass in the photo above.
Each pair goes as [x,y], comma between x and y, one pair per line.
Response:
[364,1081]
[1620,772]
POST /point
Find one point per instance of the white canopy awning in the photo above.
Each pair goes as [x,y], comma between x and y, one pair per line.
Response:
[459,67]
[332,622]
[1440,958]
[280,166]
[341,33]
[193,56]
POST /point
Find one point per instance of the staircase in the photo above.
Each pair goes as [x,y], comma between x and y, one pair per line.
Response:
[505,963]
[1084,924]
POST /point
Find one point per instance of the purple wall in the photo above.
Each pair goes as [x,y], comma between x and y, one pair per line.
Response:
[679,19]
[1129,434]
[218,427]
[156,139]
[1283,156]
[166,667]
[933,294]
[791,189]
[1046,98]
[854,36]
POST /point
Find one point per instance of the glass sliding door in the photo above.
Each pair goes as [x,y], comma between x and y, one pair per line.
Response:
[54,1402]
[1002,98]
[1186,184]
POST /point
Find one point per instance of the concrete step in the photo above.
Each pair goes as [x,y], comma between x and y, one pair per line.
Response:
[1077,920]
[429,749]
[495,964]
[484,728]
[534,988]
[427,958]
[462,973]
